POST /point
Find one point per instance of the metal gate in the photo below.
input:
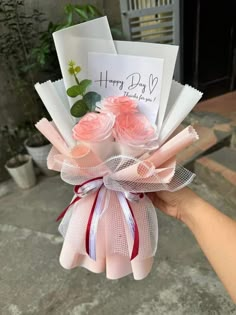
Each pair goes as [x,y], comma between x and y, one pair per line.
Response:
[155,21]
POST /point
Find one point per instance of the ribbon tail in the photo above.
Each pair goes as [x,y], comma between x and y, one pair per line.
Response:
[131,222]
[136,234]
[91,231]
[67,208]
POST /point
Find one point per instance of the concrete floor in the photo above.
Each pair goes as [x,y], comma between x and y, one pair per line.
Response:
[33,283]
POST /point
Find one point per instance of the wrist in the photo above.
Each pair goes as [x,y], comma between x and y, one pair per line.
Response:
[189,207]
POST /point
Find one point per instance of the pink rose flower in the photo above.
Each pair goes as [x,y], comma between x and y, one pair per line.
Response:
[118,105]
[135,129]
[94,127]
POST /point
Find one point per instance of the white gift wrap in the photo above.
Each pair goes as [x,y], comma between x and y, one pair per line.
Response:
[182,100]
[57,110]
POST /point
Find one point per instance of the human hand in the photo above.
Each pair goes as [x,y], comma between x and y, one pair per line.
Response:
[175,204]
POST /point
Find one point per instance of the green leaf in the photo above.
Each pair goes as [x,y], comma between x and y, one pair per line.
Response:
[91,98]
[74,91]
[79,109]
[69,19]
[94,11]
[79,89]
[91,10]
[84,84]
[81,13]
[68,8]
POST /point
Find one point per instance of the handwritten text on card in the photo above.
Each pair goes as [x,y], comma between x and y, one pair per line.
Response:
[136,77]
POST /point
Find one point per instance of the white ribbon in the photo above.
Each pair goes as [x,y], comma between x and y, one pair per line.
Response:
[127,213]
[94,224]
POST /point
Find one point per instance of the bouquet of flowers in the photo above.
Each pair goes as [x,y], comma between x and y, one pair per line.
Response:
[119,147]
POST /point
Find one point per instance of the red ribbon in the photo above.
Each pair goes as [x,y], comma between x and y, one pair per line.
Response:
[76,191]
[67,208]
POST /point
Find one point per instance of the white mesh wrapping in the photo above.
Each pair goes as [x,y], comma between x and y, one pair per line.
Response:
[113,236]
[121,173]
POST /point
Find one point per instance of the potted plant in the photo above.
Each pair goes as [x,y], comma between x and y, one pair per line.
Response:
[38,147]
[20,165]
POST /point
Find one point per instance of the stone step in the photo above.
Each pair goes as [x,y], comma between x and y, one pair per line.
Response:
[210,139]
[215,122]
[218,171]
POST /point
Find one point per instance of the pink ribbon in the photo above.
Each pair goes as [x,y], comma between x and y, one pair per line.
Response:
[96,184]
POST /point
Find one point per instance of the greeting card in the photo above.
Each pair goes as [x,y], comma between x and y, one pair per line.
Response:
[139,78]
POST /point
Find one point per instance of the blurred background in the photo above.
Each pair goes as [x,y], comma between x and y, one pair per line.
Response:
[32,282]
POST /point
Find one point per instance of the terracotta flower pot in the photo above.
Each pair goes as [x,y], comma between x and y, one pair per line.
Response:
[22,171]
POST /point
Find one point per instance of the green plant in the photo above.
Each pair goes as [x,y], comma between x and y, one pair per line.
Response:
[18,36]
[88,100]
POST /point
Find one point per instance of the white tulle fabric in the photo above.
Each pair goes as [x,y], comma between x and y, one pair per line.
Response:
[113,239]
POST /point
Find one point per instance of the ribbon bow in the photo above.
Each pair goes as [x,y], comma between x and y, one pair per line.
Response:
[97,184]
[126,177]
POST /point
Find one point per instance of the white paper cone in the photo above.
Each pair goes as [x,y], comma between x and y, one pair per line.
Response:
[61,117]
[175,91]
[185,101]
[61,91]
